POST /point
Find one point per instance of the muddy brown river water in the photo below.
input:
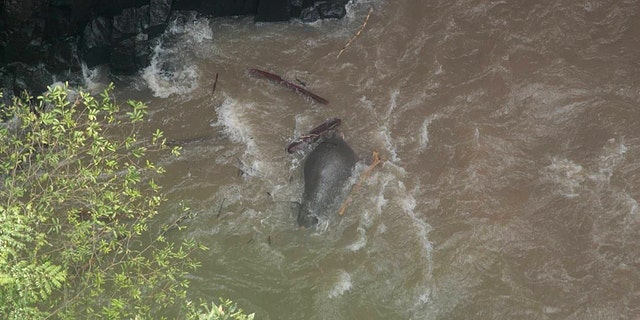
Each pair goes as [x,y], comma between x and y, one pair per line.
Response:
[511,137]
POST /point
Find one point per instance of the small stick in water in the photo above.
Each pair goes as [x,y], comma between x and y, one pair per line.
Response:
[214,84]
[293,87]
[220,208]
[357,33]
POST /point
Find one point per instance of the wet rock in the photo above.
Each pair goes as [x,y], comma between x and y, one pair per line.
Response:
[121,41]
[61,33]
[310,14]
[122,58]
[18,77]
[332,9]
[130,22]
[297,7]
[130,40]
[219,8]
[159,12]
[95,44]
[273,10]
[143,49]
[35,32]
[324,10]
[63,55]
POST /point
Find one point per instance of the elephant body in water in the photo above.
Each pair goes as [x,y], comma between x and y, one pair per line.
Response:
[326,171]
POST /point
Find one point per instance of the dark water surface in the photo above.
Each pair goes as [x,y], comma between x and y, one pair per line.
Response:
[511,133]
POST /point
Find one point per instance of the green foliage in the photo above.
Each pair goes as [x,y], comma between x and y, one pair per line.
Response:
[226,310]
[77,196]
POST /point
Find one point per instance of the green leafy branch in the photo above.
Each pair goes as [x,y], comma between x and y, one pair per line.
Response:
[77,196]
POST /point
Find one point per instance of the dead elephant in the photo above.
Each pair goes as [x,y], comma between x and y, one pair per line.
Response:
[326,172]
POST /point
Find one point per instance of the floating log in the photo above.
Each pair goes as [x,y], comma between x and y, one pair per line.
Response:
[293,87]
[313,135]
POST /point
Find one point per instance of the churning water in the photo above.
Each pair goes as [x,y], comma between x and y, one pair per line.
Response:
[510,132]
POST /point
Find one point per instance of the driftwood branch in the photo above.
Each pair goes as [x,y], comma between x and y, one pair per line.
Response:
[364,24]
[313,135]
[293,87]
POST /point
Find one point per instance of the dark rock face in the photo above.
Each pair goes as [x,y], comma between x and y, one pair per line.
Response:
[122,40]
[273,10]
[18,77]
[96,41]
[324,10]
[59,34]
[219,8]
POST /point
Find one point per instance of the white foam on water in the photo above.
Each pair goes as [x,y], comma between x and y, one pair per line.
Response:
[56,85]
[379,203]
[233,118]
[567,174]
[612,156]
[408,204]
[197,29]
[424,298]
[357,10]
[361,242]
[382,228]
[235,126]
[164,83]
[388,218]
[439,69]
[632,204]
[423,142]
[392,182]
[341,286]
[94,79]
[351,8]
[571,177]
[172,70]
[393,104]
[384,134]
